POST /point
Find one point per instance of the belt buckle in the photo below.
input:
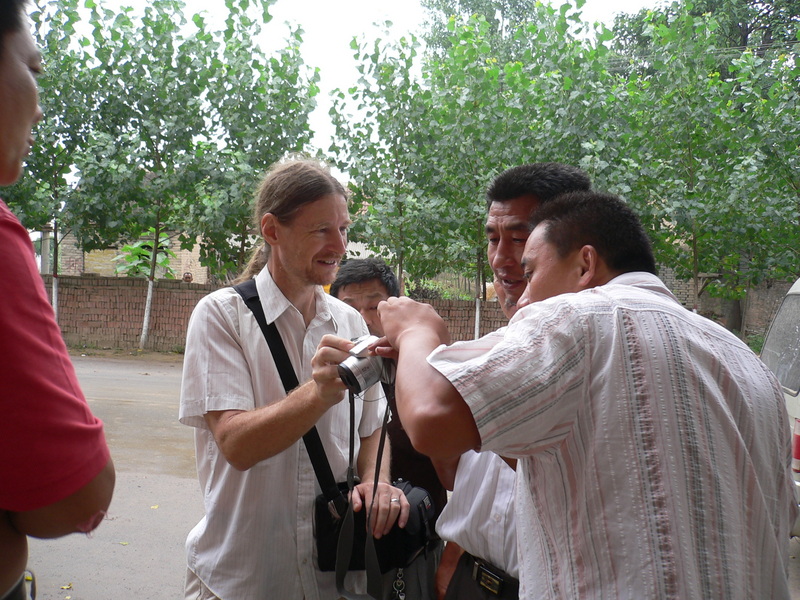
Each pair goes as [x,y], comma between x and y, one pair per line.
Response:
[487,579]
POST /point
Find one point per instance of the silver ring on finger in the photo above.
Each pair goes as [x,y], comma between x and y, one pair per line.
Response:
[394,500]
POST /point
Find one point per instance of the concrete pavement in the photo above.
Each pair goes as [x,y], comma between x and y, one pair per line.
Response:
[138,551]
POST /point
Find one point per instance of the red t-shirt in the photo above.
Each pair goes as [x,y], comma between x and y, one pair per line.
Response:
[50,445]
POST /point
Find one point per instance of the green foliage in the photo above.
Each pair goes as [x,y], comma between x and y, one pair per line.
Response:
[166,124]
[426,289]
[154,120]
[474,114]
[261,108]
[136,258]
[701,138]
[738,24]
[46,187]
[710,183]
[756,342]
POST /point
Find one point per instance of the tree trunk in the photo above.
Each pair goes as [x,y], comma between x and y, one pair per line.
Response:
[147,308]
[733,315]
[54,292]
[477,317]
[149,303]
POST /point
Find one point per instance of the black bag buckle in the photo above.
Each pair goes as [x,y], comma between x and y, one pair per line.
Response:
[487,579]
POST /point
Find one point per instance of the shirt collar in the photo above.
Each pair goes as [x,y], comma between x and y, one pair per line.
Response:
[275,303]
[638,279]
[645,281]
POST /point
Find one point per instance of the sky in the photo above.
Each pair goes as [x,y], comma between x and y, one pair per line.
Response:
[330,26]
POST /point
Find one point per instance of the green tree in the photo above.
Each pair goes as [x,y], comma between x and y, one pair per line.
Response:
[753,24]
[47,185]
[706,144]
[136,258]
[148,148]
[261,105]
[504,20]
[474,115]
[378,150]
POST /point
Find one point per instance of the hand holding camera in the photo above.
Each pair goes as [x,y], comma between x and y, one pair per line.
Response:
[361,370]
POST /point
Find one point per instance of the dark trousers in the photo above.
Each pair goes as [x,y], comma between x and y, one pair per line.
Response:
[475,579]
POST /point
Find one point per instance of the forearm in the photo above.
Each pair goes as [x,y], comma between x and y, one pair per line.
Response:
[13,553]
[435,416]
[447,566]
[246,438]
[80,512]
[368,455]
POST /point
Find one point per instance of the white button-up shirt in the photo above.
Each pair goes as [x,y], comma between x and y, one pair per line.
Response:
[479,515]
[654,447]
[256,540]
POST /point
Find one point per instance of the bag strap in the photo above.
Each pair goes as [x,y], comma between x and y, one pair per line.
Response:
[337,503]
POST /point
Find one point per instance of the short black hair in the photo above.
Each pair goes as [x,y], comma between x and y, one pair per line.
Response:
[359,270]
[545,181]
[601,220]
[11,12]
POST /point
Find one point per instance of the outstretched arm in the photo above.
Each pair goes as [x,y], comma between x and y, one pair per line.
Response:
[435,416]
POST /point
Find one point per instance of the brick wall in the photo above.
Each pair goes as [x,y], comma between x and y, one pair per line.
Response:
[680,287]
[460,317]
[761,305]
[107,312]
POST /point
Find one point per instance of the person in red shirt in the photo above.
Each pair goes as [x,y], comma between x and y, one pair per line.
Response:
[56,472]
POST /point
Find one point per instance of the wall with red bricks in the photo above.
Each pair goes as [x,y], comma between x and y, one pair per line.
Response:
[107,312]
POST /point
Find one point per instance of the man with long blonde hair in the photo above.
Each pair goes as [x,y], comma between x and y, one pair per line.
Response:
[256,539]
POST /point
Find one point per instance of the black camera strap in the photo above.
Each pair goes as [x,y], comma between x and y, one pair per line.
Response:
[344,549]
[337,503]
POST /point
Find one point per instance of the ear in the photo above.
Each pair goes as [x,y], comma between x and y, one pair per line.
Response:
[269,228]
[589,262]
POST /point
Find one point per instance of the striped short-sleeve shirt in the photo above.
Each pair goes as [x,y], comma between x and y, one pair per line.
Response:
[654,447]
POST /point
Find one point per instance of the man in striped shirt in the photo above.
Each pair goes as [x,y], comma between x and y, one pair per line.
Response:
[653,445]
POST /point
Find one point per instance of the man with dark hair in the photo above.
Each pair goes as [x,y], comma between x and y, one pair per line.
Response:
[361,270]
[363,283]
[56,472]
[653,445]
[510,200]
[479,523]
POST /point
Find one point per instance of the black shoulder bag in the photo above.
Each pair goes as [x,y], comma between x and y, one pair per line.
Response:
[342,541]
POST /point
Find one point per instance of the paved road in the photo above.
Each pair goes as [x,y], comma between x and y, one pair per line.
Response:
[137,553]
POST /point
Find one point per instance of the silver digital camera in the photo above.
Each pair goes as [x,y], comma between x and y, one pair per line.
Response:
[360,371]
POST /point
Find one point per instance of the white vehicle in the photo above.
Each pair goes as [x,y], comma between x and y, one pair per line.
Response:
[781,353]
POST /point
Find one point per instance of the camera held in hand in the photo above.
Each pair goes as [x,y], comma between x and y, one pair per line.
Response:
[361,371]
